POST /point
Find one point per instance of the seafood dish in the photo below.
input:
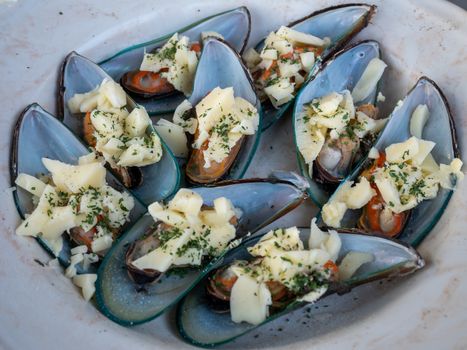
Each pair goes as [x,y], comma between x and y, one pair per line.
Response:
[136,187]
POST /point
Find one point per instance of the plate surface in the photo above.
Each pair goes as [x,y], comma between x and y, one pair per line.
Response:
[40,308]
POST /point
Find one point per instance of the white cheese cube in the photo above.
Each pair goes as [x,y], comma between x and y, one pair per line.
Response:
[71,178]
[161,258]
[314,295]
[418,120]
[333,245]
[151,63]
[106,123]
[403,151]
[249,301]
[89,158]
[174,136]
[30,183]
[288,69]
[281,90]
[424,149]
[369,79]
[113,147]
[33,224]
[187,202]
[299,37]
[224,208]
[327,105]
[333,213]
[211,108]
[308,60]
[113,92]
[191,257]
[60,220]
[373,154]
[317,236]
[101,244]
[220,236]
[446,172]
[282,46]
[269,54]
[169,217]
[359,195]
[137,122]
[86,283]
[389,192]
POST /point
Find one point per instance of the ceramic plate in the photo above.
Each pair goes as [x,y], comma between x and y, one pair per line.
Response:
[40,308]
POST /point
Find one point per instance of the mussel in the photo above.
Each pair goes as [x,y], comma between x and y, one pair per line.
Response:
[412,225]
[151,89]
[338,23]
[202,319]
[149,183]
[338,155]
[221,67]
[38,134]
[129,303]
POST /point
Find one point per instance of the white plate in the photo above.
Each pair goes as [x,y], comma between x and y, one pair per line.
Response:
[40,308]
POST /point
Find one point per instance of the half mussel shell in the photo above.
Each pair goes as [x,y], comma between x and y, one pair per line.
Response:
[39,134]
[220,66]
[440,129]
[339,73]
[152,182]
[201,325]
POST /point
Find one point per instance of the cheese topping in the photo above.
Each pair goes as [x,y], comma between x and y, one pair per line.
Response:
[176,60]
[283,64]
[190,231]
[222,120]
[123,138]
[76,197]
[281,258]
[331,118]
[403,181]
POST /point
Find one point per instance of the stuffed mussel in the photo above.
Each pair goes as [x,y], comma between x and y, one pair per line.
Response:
[158,74]
[290,56]
[404,185]
[69,203]
[336,120]
[167,252]
[221,118]
[99,111]
[274,274]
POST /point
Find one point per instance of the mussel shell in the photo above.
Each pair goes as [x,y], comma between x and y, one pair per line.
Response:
[149,183]
[221,66]
[116,294]
[339,73]
[339,23]
[199,325]
[38,134]
[234,25]
[440,129]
